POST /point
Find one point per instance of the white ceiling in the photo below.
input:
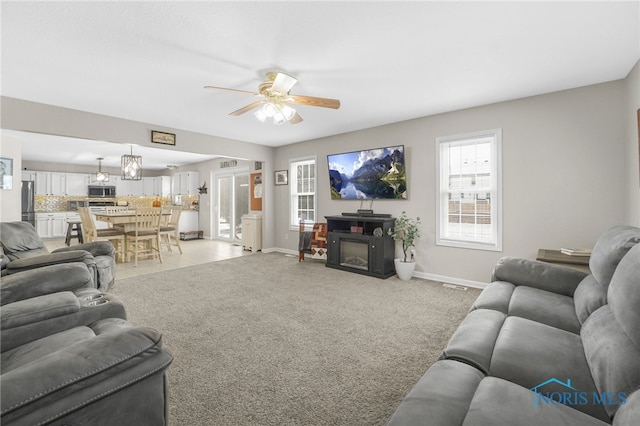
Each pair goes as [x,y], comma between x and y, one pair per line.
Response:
[386,61]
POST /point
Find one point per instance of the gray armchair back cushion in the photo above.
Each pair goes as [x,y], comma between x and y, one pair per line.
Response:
[610,248]
[611,335]
[20,240]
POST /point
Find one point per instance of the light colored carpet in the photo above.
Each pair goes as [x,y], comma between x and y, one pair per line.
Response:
[265,340]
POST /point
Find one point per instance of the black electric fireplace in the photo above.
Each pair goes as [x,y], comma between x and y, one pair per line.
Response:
[361,244]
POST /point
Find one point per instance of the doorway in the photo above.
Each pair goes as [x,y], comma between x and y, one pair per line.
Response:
[232,203]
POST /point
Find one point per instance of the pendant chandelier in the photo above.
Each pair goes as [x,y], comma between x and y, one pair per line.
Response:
[131,166]
[100,175]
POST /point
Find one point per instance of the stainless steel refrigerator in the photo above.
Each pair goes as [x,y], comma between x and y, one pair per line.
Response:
[28,207]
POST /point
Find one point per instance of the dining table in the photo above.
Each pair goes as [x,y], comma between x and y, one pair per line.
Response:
[126,219]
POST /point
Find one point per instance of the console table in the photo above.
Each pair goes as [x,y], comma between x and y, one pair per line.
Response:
[361,244]
[556,256]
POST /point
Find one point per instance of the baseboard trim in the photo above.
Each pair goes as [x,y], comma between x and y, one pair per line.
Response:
[423,275]
[450,280]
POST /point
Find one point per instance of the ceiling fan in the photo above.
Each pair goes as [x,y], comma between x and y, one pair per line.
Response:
[276,101]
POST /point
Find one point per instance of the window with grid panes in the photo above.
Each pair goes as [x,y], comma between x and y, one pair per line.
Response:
[303,191]
[469,190]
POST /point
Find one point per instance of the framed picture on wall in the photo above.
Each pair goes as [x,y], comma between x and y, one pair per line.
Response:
[282,177]
[6,173]
[163,137]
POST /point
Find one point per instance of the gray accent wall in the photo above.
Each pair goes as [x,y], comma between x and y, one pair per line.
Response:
[564,179]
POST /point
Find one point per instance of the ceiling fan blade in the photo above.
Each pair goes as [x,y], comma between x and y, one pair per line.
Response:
[295,119]
[247,108]
[311,101]
[231,90]
[283,83]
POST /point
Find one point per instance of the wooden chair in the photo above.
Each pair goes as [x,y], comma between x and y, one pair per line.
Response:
[312,240]
[92,233]
[170,230]
[115,210]
[144,240]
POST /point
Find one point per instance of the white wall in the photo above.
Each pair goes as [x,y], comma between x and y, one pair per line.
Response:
[563,174]
[11,199]
[23,115]
[632,145]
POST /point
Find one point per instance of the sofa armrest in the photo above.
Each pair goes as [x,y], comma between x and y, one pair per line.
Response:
[110,371]
[536,274]
[25,264]
[474,339]
[37,309]
[440,398]
[32,319]
[96,248]
[45,280]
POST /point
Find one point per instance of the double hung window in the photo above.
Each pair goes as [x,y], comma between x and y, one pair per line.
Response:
[469,190]
[303,191]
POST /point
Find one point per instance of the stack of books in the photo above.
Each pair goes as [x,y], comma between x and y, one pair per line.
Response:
[576,252]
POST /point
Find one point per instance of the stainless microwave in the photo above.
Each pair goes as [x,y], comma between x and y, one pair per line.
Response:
[101,191]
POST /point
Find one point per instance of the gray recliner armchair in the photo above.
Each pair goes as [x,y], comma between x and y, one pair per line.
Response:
[69,357]
[23,249]
[39,302]
[105,373]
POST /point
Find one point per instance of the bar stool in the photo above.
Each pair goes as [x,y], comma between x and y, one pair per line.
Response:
[74,225]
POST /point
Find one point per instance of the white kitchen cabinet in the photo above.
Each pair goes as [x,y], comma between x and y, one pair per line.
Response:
[28,175]
[158,186]
[185,183]
[76,184]
[128,188]
[50,183]
[188,221]
[51,225]
[71,217]
[252,232]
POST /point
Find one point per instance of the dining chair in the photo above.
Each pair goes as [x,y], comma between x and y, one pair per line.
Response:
[115,210]
[170,230]
[92,233]
[144,240]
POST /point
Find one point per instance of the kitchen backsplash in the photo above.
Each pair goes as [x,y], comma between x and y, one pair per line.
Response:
[50,204]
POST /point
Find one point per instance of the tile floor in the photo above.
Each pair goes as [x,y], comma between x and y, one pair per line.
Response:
[194,252]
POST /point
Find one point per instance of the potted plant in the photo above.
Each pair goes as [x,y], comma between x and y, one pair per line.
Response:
[406,230]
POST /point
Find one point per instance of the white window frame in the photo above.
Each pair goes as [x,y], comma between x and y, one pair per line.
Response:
[294,217]
[443,191]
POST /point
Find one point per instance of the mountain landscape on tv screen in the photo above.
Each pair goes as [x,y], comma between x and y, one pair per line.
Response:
[372,174]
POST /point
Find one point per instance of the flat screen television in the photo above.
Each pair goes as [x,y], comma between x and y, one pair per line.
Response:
[368,175]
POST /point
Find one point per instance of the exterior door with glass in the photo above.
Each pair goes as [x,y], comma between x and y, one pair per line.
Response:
[233,203]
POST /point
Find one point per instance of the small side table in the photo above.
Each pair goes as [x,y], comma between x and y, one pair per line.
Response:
[556,256]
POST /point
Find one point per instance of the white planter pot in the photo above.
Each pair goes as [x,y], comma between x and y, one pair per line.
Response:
[404,270]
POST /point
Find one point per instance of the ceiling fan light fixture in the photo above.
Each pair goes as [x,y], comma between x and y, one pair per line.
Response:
[261,114]
[279,118]
[288,112]
[279,113]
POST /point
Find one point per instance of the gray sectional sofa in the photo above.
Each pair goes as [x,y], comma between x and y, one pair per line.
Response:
[543,345]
